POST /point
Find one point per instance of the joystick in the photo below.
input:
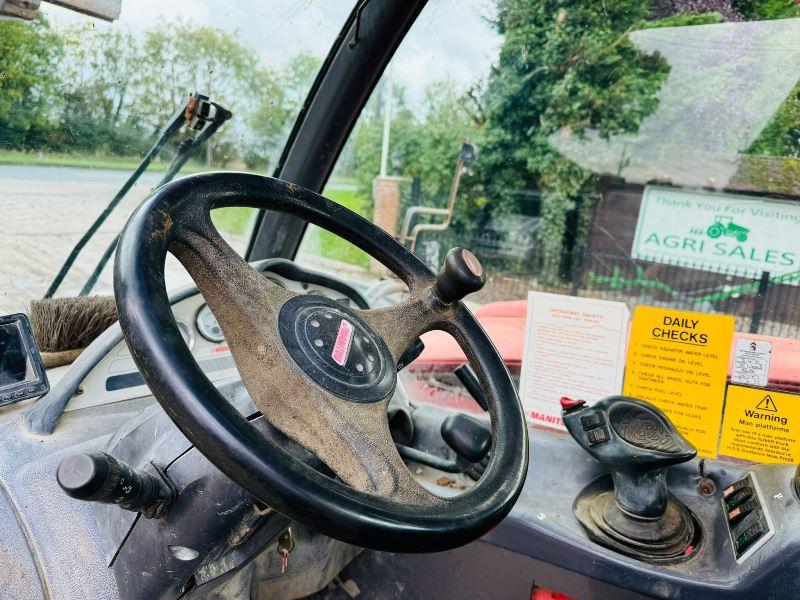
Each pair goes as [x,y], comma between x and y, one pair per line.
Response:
[631,509]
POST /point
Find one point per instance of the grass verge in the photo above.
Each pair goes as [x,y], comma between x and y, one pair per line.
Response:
[239,220]
[35,159]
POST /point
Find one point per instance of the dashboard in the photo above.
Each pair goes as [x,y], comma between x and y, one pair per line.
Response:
[749,514]
[115,377]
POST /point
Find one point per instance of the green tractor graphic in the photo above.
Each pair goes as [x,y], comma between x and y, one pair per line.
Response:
[725,226]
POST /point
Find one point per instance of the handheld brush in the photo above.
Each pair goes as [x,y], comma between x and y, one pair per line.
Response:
[63,327]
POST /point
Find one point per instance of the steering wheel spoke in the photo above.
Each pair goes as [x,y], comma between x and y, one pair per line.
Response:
[244,302]
[400,325]
[352,439]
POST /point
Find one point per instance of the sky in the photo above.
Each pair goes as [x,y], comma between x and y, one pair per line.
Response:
[451,39]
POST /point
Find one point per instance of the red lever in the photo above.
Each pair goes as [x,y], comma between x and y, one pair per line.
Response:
[569,403]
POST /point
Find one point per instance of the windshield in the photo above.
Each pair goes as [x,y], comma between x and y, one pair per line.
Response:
[642,153]
[83,101]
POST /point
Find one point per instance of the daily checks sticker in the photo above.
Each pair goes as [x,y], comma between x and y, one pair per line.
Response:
[761,425]
[678,361]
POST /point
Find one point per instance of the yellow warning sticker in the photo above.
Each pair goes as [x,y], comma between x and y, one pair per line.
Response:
[761,425]
[678,361]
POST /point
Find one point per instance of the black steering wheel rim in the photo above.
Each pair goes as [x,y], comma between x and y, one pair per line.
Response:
[229,441]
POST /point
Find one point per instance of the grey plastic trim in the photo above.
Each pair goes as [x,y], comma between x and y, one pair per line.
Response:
[43,416]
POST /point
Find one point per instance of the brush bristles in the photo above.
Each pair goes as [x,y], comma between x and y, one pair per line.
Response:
[70,323]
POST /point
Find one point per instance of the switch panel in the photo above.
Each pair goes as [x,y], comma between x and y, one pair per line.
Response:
[748,519]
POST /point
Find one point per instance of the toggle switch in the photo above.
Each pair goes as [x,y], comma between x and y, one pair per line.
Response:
[592,420]
[741,511]
[733,488]
[751,534]
[597,436]
[740,496]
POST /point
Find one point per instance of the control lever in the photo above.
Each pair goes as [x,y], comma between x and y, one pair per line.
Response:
[637,443]
[470,382]
[99,477]
[470,438]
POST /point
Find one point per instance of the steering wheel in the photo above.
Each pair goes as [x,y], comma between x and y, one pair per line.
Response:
[318,371]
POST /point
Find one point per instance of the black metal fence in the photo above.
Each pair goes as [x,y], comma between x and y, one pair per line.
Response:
[762,302]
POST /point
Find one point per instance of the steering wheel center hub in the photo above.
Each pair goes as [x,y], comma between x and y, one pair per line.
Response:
[335,347]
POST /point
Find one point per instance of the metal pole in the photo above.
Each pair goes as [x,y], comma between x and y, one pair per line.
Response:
[758,311]
[387,123]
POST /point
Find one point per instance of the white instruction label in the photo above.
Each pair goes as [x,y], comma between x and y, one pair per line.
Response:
[751,362]
[574,347]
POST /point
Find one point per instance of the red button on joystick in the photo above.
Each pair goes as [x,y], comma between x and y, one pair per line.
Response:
[570,404]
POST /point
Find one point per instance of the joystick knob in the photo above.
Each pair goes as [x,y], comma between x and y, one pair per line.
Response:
[632,511]
[462,274]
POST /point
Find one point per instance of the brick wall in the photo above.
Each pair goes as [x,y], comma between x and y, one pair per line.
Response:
[386,200]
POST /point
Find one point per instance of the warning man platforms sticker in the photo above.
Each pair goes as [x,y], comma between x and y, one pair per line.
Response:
[761,426]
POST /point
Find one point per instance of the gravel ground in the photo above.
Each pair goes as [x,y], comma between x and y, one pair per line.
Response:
[45,210]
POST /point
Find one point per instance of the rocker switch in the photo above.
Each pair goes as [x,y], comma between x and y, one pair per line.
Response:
[592,420]
[597,436]
[739,497]
[753,533]
[741,511]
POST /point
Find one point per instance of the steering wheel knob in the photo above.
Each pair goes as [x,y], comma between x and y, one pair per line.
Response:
[462,274]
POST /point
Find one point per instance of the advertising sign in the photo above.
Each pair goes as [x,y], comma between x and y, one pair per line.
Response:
[678,361]
[739,234]
[574,347]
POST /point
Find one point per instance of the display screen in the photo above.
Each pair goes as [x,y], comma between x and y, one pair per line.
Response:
[15,364]
[21,373]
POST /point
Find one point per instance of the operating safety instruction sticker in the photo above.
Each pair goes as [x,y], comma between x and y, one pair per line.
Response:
[678,361]
[573,347]
[761,425]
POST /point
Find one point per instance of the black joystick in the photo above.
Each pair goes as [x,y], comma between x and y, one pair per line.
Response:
[462,274]
[632,512]
[99,477]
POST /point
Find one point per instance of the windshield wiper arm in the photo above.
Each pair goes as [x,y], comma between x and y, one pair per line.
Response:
[195,114]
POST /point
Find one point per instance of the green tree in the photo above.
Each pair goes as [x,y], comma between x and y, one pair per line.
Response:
[178,58]
[781,137]
[281,93]
[762,10]
[98,95]
[424,141]
[568,66]
[29,58]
